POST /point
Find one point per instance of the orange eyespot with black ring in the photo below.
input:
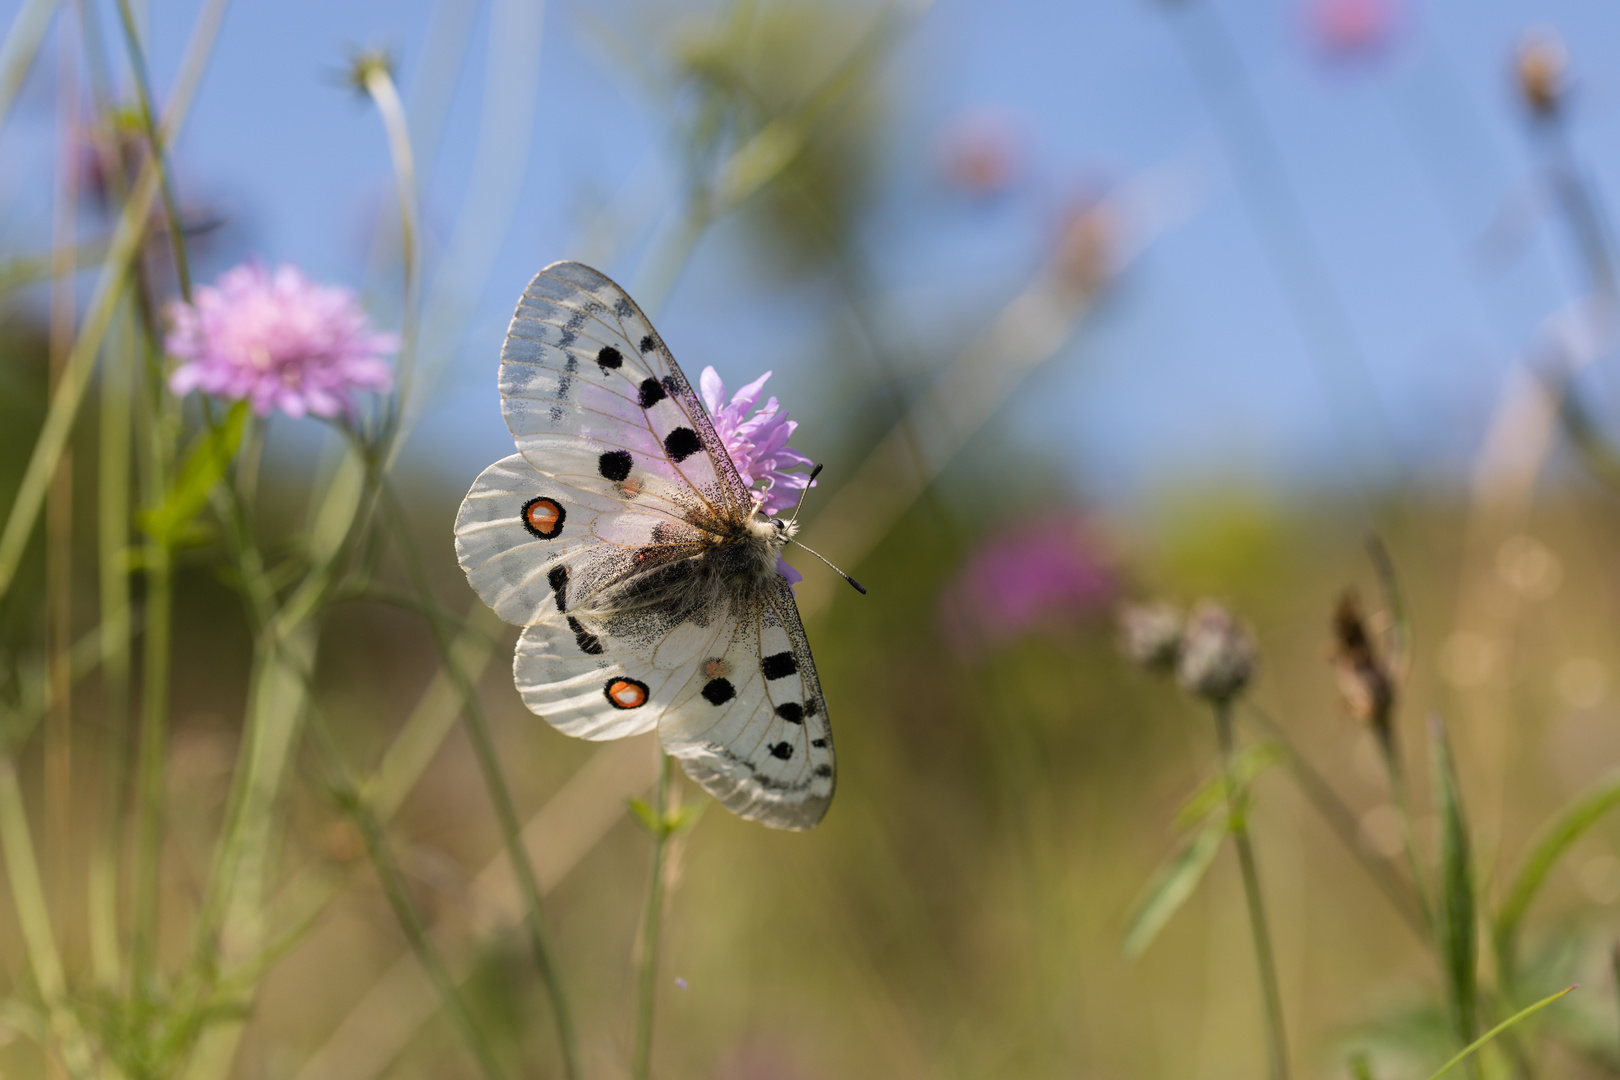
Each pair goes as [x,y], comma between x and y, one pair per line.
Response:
[544,517]
[625,693]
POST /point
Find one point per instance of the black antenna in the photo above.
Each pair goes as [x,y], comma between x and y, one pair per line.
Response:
[815,472]
[858,586]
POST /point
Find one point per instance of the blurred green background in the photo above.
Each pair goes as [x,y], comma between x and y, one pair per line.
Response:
[1080,304]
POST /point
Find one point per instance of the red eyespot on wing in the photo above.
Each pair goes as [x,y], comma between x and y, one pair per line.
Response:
[544,517]
[716,668]
[626,693]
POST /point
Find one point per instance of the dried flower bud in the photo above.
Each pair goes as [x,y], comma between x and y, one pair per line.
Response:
[1364,678]
[1543,72]
[1217,655]
[1150,634]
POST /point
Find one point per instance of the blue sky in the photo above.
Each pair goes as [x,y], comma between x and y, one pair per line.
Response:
[1195,366]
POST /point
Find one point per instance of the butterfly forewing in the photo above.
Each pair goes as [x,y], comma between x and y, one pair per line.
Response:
[582,362]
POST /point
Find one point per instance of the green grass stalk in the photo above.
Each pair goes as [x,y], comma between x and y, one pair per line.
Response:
[1276,1040]
[652,924]
[112,550]
[149,770]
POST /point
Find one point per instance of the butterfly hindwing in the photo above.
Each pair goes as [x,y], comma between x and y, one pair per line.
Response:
[534,546]
[752,726]
[592,684]
[581,362]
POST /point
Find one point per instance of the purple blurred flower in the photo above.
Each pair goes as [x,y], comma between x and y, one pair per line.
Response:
[278,341]
[1042,573]
[1351,28]
[758,443]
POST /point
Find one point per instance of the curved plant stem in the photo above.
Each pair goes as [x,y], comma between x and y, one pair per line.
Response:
[1276,1042]
[647,973]
[1522,1014]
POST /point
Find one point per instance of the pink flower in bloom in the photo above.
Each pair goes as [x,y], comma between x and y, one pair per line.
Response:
[758,443]
[758,446]
[1039,574]
[278,341]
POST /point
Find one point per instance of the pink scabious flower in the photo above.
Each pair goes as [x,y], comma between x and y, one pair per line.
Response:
[1035,575]
[278,341]
[758,446]
[758,443]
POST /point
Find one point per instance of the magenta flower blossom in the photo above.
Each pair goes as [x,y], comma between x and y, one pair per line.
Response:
[758,446]
[758,443]
[1036,575]
[277,341]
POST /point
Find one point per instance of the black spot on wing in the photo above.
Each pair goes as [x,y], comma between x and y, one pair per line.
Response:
[558,579]
[673,384]
[652,392]
[682,443]
[823,770]
[782,750]
[791,711]
[571,365]
[614,465]
[622,308]
[647,344]
[779,665]
[588,642]
[718,691]
[609,358]
[819,744]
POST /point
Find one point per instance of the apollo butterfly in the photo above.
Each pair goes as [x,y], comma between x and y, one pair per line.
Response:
[641,565]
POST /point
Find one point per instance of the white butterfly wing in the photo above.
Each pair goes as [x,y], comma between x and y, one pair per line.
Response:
[533,545]
[751,728]
[589,387]
[618,469]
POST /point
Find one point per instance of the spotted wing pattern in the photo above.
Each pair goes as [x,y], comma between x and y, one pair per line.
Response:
[581,362]
[752,727]
[583,538]
[536,546]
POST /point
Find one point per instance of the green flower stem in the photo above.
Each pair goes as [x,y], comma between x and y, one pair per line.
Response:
[379,84]
[500,794]
[149,776]
[112,540]
[1397,794]
[1276,1042]
[1342,821]
[393,886]
[143,100]
[33,915]
[647,975]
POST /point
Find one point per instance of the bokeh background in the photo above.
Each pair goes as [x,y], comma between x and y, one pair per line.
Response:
[1080,303]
